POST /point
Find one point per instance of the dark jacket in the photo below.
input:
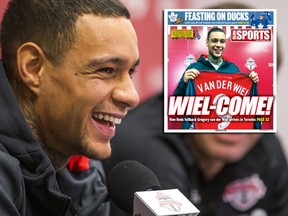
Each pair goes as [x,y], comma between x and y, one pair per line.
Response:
[236,190]
[28,182]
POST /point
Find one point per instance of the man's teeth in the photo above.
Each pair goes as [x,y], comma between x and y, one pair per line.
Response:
[106,117]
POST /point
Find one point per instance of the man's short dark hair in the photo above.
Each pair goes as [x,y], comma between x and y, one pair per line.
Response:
[50,24]
[214,30]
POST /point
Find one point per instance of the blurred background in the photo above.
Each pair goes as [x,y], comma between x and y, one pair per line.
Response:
[147,17]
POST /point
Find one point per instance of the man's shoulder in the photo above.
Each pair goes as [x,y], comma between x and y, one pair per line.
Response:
[201,64]
[8,163]
[273,149]
[268,153]
[11,176]
[229,66]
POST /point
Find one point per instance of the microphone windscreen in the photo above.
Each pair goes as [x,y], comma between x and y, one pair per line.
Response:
[129,177]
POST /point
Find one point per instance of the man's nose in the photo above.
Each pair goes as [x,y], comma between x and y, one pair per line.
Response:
[125,92]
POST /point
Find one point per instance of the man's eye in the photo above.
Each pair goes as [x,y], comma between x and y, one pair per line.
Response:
[106,70]
[132,71]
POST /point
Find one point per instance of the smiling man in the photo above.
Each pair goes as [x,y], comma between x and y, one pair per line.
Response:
[69,65]
[214,61]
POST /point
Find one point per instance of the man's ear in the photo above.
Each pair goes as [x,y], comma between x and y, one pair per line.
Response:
[30,59]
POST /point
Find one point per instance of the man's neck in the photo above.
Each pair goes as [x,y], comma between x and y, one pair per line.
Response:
[58,160]
[215,61]
[210,167]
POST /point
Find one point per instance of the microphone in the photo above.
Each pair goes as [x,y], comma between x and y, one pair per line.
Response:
[125,179]
[135,189]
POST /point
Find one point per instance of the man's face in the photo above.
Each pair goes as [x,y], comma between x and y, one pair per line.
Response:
[216,44]
[81,100]
[225,147]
